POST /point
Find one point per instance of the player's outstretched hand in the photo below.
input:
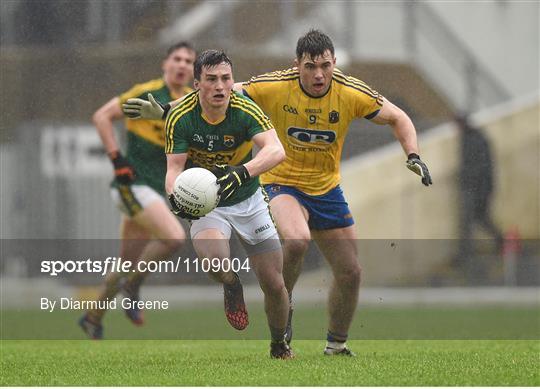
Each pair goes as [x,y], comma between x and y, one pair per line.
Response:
[142,109]
[124,173]
[419,167]
[177,210]
[230,178]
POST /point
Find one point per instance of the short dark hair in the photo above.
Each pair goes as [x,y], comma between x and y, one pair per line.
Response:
[314,43]
[207,59]
[180,45]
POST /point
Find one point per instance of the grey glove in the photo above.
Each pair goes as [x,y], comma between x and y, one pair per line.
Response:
[142,109]
[419,167]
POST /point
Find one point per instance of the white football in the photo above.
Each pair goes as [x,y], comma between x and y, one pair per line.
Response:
[196,191]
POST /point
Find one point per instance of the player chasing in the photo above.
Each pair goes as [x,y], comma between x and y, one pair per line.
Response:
[148,229]
[313,105]
[306,199]
[216,126]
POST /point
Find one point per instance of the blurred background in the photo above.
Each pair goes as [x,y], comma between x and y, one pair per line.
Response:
[478,61]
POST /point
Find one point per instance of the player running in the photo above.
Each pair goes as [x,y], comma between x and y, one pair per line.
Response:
[216,126]
[148,229]
[312,106]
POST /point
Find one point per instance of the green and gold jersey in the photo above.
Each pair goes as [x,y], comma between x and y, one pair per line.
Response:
[226,142]
[146,138]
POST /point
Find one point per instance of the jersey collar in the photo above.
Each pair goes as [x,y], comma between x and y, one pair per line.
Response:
[315,97]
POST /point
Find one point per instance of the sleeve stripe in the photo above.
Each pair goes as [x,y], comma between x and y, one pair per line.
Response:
[171,123]
[248,104]
[276,75]
[264,124]
[170,131]
[272,79]
[186,100]
[353,80]
[179,108]
[262,118]
[289,74]
[279,73]
[372,114]
[358,89]
[366,90]
[357,83]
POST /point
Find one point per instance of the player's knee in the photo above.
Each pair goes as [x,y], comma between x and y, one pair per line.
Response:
[350,277]
[273,286]
[295,248]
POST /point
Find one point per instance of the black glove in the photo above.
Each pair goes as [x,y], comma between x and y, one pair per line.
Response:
[416,165]
[124,173]
[178,210]
[230,178]
[166,109]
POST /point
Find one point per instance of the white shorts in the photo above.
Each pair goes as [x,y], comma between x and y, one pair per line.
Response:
[132,199]
[250,219]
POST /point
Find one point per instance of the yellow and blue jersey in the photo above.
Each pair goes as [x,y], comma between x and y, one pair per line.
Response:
[311,129]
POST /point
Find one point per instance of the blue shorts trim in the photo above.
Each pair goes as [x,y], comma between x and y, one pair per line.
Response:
[326,211]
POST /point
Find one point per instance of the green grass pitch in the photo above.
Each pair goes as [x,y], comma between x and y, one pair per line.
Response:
[395,346]
[246,363]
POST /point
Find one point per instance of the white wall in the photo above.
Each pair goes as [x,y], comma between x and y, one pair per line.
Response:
[389,203]
[503,34]
[378,31]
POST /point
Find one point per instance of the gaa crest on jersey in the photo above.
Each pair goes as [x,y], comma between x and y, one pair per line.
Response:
[228,140]
[333,117]
[289,109]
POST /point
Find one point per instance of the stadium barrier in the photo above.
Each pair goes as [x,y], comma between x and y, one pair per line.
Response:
[388,202]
